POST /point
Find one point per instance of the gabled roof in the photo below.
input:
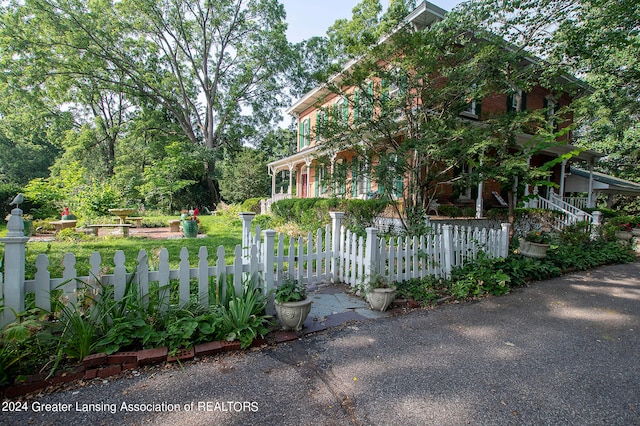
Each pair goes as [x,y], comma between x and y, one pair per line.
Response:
[422,17]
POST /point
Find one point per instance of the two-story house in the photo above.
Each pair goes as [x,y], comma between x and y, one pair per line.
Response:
[307,173]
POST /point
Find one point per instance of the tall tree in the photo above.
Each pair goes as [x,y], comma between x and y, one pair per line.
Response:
[215,66]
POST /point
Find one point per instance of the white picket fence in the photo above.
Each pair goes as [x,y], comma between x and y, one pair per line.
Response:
[331,254]
[403,258]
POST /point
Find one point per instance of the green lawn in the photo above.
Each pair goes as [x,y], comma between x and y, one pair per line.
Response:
[223,231]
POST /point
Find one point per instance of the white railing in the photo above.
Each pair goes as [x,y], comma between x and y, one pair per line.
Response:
[579,202]
[331,254]
[569,216]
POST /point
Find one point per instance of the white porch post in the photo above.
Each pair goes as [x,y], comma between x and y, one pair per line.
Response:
[479,200]
[590,202]
[273,183]
[526,187]
[562,178]
[290,191]
[331,169]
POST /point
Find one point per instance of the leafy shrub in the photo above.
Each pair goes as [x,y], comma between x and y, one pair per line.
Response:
[450,211]
[313,213]
[468,212]
[577,234]
[251,205]
[497,214]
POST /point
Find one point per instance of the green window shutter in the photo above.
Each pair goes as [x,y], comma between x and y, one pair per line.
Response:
[370,101]
[354,178]
[318,125]
[399,183]
[524,101]
[478,108]
[307,132]
[317,179]
[345,111]
[356,106]
[300,134]
[509,103]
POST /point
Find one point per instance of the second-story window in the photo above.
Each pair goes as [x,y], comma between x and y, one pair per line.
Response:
[321,124]
[552,108]
[513,100]
[304,133]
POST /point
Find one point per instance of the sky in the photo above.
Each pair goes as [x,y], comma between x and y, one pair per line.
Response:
[308,18]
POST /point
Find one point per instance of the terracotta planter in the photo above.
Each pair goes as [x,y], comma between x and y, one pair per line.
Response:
[533,250]
[292,315]
[380,298]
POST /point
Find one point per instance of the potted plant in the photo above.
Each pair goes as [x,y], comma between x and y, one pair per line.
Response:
[379,293]
[66,215]
[190,224]
[535,244]
[292,304]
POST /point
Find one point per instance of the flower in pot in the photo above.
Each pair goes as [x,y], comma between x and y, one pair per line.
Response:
[292,304]
[66,215]
[379,293]
[535,244]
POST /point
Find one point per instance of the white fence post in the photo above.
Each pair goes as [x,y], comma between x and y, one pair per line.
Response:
[504,250]
[14,257]
[246,218]
[370,258]
[269,259]
[448,255]
[597,221]
[336,224]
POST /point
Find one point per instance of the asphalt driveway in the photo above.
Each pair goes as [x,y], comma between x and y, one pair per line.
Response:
[563,351]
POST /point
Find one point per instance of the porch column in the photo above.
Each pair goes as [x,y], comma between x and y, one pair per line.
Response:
[526,187]
[479,200]
[331,169]
[307,162]
[290,191]
[273,183]
[590,201]
[562,178]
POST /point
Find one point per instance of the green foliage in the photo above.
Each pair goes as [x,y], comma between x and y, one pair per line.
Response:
[577,234]
[244,176]
[243,316]
[313,213]
[251,205]
[451,211]
[290,290]
[21,345]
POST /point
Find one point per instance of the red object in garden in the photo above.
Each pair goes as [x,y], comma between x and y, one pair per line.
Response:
[65,212]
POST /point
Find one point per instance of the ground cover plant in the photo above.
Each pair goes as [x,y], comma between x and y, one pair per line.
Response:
[496,276]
